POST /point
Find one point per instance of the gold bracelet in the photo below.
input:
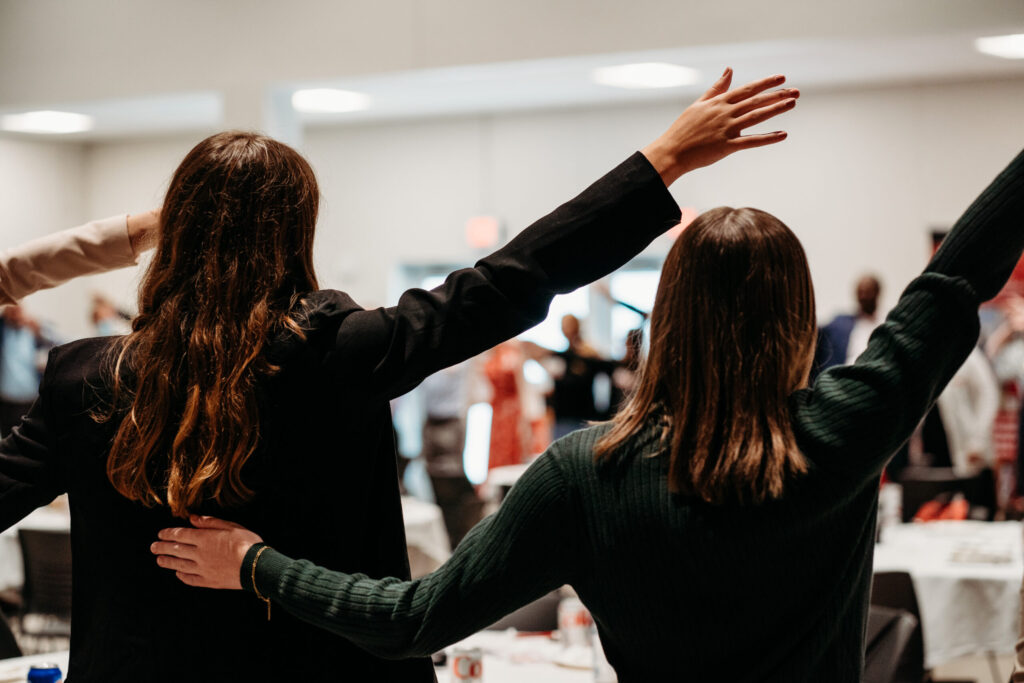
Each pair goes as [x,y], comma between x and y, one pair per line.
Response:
[254,588]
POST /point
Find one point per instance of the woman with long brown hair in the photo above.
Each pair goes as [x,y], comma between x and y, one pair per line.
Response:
[245,391]
[721,527]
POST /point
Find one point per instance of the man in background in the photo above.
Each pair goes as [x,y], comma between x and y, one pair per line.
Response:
[846,337]
[21,340]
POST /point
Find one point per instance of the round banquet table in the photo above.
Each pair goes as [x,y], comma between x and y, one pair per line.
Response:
[16,670]
[53,517]
[967,576]
[506,659]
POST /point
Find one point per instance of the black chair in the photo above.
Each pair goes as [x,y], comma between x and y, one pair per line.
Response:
[895,590]
[889,633]
[8,645]
[46,595]
[539,615]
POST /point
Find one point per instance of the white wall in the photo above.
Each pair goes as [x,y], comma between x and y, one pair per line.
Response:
[41,190]
[863,178]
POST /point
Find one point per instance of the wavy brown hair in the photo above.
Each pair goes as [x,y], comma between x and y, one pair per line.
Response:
[233,260]
[732,336]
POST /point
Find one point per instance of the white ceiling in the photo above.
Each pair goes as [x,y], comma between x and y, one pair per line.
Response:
[151,67]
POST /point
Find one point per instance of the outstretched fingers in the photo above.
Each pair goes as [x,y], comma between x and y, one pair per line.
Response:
[720,86]
[760,140]
[763,100]
[753,88]
[761,115]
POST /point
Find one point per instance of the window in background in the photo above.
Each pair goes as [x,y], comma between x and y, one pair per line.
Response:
[637,288]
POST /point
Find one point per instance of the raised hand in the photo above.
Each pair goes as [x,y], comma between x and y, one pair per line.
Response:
[209,556]
[711,128]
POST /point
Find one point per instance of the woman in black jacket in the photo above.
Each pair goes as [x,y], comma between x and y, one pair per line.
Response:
[244,391]
[721,527]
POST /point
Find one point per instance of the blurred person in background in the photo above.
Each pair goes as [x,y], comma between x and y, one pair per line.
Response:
[107,319]
[626,372]
[574,372]
[245,390]
[965,412]
[1005,347]
[446,396]
[510,431]
[846,336]
[22,341]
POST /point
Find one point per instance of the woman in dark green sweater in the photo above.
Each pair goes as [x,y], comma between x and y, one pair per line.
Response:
[720,528]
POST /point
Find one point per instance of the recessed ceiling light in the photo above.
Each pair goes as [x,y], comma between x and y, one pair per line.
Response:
[50,122]
[329,101]
[1007,47]
[645,75]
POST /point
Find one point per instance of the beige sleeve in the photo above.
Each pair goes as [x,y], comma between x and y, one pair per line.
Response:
[48,261]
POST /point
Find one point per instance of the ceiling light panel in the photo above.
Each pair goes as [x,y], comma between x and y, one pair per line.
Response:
[645,75]
[47,122]
[1007,47]
[329,101]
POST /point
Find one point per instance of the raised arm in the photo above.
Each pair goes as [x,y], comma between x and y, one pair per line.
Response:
[95,247]
[389,350]
[856,416]
[520,553]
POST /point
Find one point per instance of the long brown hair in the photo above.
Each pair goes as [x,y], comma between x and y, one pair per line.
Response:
[234,257]
[732,335]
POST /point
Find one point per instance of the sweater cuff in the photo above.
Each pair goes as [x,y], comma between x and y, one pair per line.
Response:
[268,570]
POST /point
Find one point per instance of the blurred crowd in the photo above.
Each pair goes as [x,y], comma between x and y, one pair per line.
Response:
[962,462]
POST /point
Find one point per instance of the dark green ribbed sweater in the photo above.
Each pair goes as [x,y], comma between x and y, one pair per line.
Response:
[683,590]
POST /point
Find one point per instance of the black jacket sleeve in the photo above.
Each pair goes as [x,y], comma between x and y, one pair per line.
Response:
[387,351]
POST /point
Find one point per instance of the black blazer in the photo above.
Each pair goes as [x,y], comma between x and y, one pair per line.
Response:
[325,470]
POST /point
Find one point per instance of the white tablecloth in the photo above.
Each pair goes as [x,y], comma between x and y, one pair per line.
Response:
[16,670]
[51,517]
[967,576]
[508,658]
